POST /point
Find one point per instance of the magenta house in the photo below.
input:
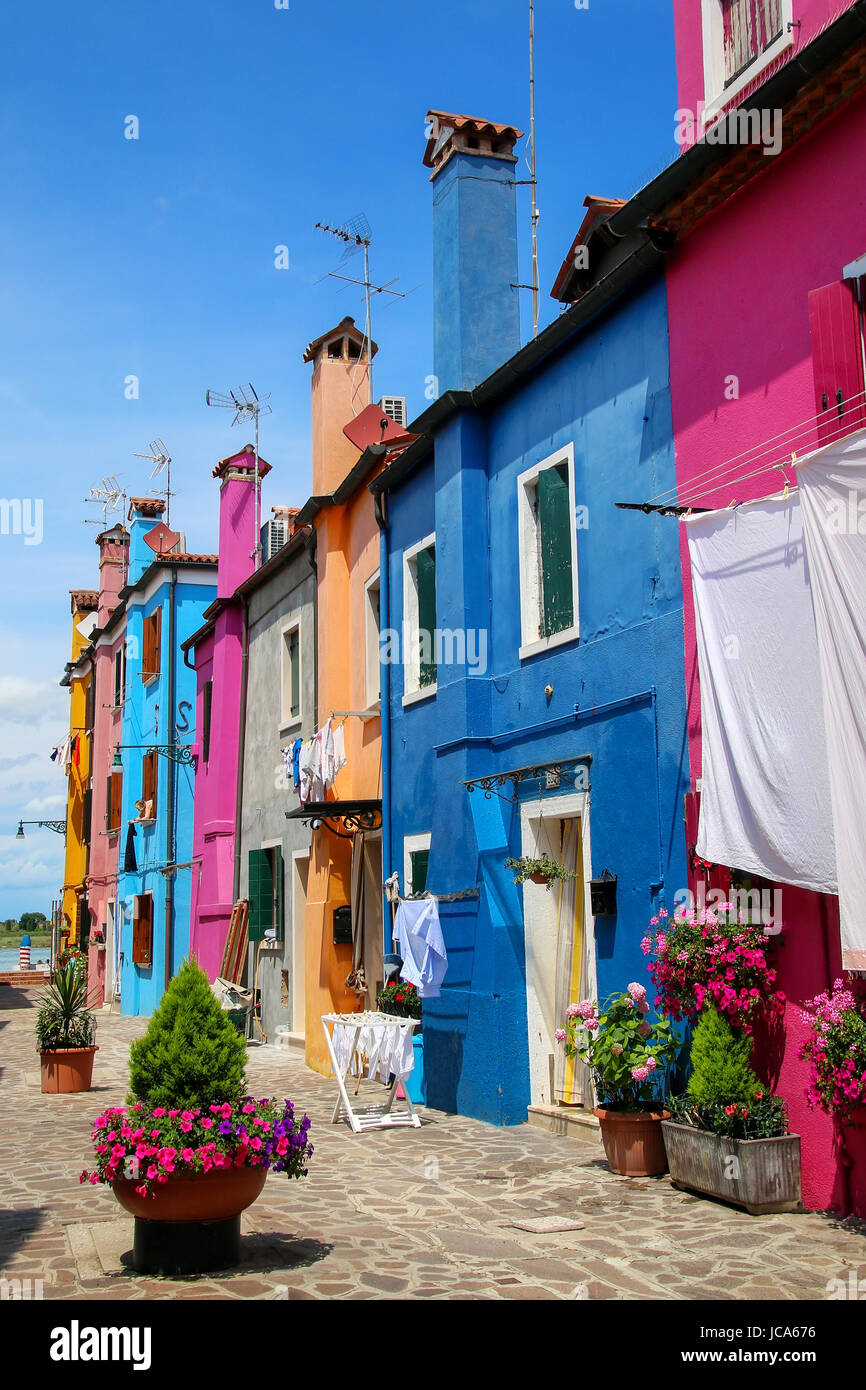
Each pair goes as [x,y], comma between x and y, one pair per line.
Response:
[762,221]
[217,653]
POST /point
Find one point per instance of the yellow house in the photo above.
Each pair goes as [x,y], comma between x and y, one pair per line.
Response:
[78,678]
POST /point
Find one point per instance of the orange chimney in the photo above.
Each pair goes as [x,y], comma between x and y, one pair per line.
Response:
[341,390]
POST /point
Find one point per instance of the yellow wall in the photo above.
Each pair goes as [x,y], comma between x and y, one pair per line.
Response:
[75,866]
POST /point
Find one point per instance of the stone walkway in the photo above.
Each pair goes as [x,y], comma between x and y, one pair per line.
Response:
[456,1209]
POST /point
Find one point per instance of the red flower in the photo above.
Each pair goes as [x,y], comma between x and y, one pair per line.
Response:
[398,998]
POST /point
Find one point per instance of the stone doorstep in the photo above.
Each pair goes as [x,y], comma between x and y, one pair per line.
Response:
[571,1121]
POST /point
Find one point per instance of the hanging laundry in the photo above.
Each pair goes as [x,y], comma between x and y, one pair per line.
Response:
[422,945]
[765,797]
[76,750]
[296,764]
[317,791]
[327,732]
[286,755]
[832,482]
[130,865]
[63,753]
[339,757]
[307,766]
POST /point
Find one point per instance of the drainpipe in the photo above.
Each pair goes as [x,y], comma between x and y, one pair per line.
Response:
[384,701]
[242,738]
[171,846]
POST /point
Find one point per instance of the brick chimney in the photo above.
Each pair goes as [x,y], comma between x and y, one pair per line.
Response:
[238,536]
[476,310]
[341,390]
[113,557]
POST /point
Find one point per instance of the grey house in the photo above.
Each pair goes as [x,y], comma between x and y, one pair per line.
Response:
[280,707]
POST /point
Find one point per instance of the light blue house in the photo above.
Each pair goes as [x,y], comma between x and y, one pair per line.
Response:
[166,596]
[536,699]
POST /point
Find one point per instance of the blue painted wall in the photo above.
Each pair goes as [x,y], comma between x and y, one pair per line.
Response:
[146,721]
[605,392]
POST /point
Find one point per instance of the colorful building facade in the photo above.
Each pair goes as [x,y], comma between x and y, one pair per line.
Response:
[75,919]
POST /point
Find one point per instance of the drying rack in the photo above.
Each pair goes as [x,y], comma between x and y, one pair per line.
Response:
[379,1114]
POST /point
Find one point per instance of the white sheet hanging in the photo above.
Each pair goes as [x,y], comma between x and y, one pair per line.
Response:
[765,796]
[833,495]
[422,945]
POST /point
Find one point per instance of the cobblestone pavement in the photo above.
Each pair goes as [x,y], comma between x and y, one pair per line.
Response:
[436,1212]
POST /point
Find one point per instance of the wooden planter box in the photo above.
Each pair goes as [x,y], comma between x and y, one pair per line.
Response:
[762,1175]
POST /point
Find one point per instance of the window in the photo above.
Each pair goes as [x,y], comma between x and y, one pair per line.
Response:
[265,892]
[416,857]
[741,38]
[149,777]
[419,620]
[372,623]
[151,633]
[836,327]
[206,703]
[291,698]
[120,676]
[113,801]
[548,554]
[142,929]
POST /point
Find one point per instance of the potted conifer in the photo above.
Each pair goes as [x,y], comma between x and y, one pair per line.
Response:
[192,1150]
[65,1032]
[727,1136]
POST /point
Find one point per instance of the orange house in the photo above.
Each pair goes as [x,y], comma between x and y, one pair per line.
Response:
[343,919]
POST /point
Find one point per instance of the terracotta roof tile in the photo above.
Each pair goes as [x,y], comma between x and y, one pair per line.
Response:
[468,125]
[345,326]
[148,506]
[84,600]
[232,462]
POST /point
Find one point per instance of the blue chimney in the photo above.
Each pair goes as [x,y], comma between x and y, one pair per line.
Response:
[476,309]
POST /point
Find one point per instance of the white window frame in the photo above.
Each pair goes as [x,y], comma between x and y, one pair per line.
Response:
[411,845]
[413,691]
[716,95]
[372,628]
[530,576]
[289,624]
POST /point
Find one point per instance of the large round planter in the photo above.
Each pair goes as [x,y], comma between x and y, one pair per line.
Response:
[634,1145]
[193,1224]
[67,1069]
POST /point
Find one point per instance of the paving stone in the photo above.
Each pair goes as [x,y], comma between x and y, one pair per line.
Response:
[515,1214]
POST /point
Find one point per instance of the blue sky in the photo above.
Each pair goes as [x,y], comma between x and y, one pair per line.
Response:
[155,257]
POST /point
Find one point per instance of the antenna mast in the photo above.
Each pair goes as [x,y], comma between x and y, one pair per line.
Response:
[161,459]
[247,406]
[532,168]
[356,232]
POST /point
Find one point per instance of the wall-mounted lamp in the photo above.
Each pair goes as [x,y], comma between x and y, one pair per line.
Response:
[58,826]
[175,752]
[602,895]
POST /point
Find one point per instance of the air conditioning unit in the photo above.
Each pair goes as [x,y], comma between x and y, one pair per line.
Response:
[395,408]
[273,536]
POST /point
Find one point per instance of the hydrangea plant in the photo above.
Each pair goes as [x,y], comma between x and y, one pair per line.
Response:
[626,1054]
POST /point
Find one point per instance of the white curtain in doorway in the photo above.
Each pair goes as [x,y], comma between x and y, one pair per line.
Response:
[575,965]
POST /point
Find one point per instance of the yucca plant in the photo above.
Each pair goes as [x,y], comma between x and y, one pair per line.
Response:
[65,1018]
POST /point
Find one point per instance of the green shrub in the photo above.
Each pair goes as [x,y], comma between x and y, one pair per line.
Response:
[721,1070]
[191,1055]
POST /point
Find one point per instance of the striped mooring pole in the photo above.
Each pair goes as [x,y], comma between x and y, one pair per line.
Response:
[24,953]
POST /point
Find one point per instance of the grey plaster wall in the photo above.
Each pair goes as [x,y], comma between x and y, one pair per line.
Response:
[267,795]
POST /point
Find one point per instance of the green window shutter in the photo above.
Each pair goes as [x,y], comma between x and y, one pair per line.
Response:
[261,893]
[418,861]
[279,885]
[425,563]
[295,669]
[554,523]
[207,703]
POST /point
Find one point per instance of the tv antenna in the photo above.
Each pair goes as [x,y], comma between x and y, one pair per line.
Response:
[161,459]
[532,178]
[356,234]
[247,405]
[108,495]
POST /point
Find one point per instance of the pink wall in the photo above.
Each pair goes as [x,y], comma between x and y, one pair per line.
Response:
[102,867]
[814,15]
[218,658]
[737,299]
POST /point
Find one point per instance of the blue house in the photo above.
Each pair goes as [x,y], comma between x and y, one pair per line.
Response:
[534,671]
[166,597]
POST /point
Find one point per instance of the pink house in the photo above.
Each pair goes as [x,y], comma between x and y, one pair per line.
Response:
[217,651]
[109,689]
[765,258]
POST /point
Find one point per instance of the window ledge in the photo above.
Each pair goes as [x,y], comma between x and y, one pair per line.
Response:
[151,820]
[544,644]
[291,725]
[373,710]
[149,680]
[426,692]
[727,96]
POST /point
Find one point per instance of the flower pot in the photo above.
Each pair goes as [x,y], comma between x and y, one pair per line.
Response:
[67,1069]
[538,878]
[633,1142]
[762,1175]
[193,1224]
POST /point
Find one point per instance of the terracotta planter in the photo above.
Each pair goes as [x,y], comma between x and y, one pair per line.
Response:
[762,1175]
[193,1224]
[538,878]
[67,1069]
[215,1196]
[633,1142]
